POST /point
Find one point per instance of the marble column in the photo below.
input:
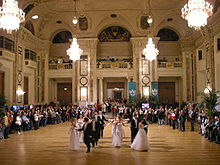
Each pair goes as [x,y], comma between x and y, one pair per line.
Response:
[100,89]
[74,83]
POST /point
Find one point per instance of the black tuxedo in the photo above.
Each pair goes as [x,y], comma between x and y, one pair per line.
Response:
[101,123]
[95,132]
[145,123]
[134,128]
[87,130]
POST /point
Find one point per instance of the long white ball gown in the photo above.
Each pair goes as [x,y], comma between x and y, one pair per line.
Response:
[140,142]
[117,134]
[80,133]
[74,139]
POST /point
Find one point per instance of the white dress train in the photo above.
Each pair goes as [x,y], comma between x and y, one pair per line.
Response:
[74,139]
[140,142]
[80,133]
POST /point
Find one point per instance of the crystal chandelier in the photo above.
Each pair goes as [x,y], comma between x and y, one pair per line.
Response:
[74,52]
[150,51]
[10,16]
[196,12]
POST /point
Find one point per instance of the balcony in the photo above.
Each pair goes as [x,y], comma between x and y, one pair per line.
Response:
[60,66]
[7,49]
[6,55]
[30,59]
[115,63]
[170,65]
[170,69]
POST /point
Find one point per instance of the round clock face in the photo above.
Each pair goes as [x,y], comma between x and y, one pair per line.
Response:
[83,81]
[146,80]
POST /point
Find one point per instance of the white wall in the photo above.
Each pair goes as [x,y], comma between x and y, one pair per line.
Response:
[30,73]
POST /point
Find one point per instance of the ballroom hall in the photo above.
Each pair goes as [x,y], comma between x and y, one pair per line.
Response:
[92,82]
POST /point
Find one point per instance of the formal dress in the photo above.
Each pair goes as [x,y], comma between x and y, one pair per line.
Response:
[140,142]
[117,134]
[74,139]
[80,126]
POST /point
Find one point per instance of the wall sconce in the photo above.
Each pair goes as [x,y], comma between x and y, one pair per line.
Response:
[83,93]
[20,91]
[208,89]
[146,91]
[65,89]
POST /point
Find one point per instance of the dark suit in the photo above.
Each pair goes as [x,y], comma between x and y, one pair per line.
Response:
[101,123]
[95,133]
[145,123]
[87,130]
[134,128]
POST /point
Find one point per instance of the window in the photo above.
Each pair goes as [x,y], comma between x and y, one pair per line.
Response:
[6,43]
[28,9]
[167,35]
[218,44]
[200,53]
[30,55]
[114,34]
[62,37]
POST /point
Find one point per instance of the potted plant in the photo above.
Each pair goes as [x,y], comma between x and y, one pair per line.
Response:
[209,102]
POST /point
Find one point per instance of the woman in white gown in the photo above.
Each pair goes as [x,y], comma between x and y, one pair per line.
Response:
[74,138]
[140,142]
[117,132]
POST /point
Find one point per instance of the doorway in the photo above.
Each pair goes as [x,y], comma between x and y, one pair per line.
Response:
[166,92]
[117,95]
[64,93]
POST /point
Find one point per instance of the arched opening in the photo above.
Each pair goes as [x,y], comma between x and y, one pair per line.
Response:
[167,35]
[114,34]
[62,37]
[169,57]
[29,26]
[114,52]
[28,9]
[61,42]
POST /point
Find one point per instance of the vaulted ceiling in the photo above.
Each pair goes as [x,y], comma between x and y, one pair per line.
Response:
[99,11]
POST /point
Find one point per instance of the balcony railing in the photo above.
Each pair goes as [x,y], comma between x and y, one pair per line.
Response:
[60,66]
[114,65]
[170,64]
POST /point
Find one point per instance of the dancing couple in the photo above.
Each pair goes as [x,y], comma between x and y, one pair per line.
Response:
[138,133]
[88,130]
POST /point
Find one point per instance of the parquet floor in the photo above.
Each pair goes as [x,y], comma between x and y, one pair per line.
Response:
[49,146]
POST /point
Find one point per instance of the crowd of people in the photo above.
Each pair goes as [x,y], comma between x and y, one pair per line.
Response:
[89,122]
[32,118]
[176,118]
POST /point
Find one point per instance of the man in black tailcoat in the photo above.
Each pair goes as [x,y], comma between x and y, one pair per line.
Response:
[95,133]
[87,130]
[101,122]
[134,127]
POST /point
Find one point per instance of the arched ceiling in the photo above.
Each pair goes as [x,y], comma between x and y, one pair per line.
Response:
[100,5]
[99,11]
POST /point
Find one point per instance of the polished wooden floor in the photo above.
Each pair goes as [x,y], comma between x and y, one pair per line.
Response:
[49,146]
